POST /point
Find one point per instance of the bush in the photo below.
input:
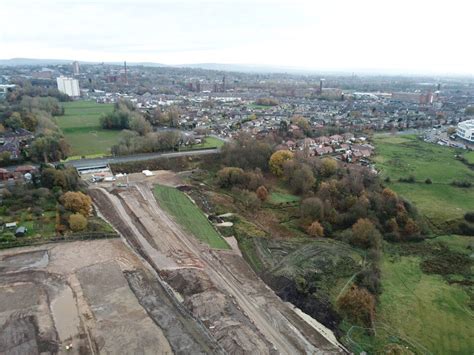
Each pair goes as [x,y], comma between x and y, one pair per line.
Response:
[315,229]
[370,279]
[231,176]
[77,222]
[7,237]
[262,193]
[447,262]
[461,183]
[410,179]
[365,235]
[428,181]
[466,229]
[312,208]
[357,305]
[77,202]
[469,216]
[248,199]
[278,159]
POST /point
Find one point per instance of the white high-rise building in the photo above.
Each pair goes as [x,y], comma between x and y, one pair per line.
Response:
[68,86]
[75,68]
[465,130]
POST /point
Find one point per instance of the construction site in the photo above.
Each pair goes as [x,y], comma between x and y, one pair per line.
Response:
[157,289]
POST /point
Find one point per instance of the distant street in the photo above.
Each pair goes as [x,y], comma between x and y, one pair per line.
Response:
[84,163]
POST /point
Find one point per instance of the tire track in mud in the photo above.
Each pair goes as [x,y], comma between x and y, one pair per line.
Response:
[184,333]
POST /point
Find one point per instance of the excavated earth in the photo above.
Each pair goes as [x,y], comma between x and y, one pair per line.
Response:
[216,288]
[155,290]
[97,296]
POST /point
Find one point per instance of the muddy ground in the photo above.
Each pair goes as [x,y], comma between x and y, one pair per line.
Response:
[94,295]
[157,290]
[216,287]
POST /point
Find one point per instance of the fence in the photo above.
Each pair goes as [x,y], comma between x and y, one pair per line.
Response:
[56,239]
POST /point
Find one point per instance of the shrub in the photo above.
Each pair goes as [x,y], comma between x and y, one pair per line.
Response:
[277,159]
[315,229]
[357,305]
[428,181]
[230,176]
[461,183]
[469,216]
[77,222]
[365,235]
[77,202]
[370,279]
[466,229]
[7,237]
[410,179]
[248,199]
[313,208]
[262,193]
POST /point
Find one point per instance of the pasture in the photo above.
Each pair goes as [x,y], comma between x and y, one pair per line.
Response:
[188,215]
[399,157]
[425,310]
[470,157]
[81,127]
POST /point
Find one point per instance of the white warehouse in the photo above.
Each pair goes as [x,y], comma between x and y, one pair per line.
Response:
[68,86]
[465,130]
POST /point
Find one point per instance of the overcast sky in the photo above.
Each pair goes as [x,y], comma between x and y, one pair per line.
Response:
[425,36]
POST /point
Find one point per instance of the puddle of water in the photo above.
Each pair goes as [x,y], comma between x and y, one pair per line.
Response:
[23,261]
[65,314]
[41,262]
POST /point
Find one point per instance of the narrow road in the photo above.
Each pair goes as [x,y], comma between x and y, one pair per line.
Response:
[84,163]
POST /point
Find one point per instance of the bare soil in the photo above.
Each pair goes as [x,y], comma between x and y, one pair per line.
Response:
[216,287]
[85,294]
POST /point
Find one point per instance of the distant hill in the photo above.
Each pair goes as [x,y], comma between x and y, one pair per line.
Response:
[38,62]
[246,68]
[31,61]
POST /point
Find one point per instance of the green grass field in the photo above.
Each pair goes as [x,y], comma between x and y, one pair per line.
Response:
[209,142]
[398,157]
[187,214]
[470,157]
[81,127]
[280,197]
[423,312]
[424,309]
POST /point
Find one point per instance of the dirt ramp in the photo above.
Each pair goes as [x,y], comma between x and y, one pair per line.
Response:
[226,322]
[121,321]
[188,281]
[185,334]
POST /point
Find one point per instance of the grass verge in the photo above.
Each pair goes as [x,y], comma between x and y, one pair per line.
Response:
[187,214]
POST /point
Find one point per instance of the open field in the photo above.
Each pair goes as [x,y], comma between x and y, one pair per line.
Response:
[188,215]
[470,157]
[210,142]
[425,309]
[399,157]
[280,197]
[421,311]
[81,127]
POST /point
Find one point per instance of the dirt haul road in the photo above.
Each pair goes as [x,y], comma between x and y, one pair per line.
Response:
[216,286]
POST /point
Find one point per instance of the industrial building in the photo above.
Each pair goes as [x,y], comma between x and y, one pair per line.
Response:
[69,86]
[465,130]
